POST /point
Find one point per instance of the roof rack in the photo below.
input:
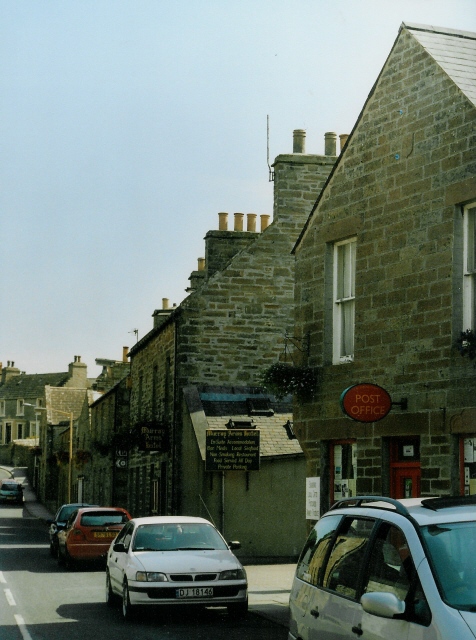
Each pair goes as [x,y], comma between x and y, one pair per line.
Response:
[358,500]
[446,502]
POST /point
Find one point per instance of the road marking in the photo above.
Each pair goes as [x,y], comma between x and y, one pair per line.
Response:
[2,578]
[9,597]
[22,626]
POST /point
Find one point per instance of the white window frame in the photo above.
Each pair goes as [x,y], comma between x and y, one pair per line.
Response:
[469,267]
[344,300]
[20,407]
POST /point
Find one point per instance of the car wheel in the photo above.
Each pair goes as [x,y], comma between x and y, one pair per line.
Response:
[128,609]
[60,558]
[238,609]
[68,561]
[110,595]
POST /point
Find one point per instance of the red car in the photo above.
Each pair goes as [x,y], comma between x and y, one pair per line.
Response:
[88,534]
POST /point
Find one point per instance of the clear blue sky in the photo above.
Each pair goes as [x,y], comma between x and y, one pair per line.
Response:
[127,125]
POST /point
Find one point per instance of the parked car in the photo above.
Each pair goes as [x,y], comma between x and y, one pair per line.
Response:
[88,534]
[11,491]
[59,522]
[385,569]
[174,561]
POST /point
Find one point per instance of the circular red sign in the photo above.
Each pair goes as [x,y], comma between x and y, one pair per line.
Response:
[365,402]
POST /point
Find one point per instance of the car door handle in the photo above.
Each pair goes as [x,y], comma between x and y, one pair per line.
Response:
[357,630]
[314,613]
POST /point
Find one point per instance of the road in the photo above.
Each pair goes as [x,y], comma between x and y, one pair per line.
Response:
[41,601]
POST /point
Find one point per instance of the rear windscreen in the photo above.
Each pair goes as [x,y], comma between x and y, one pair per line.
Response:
[102,519]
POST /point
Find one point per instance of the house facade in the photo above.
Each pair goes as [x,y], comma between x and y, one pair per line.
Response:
[385,284]
[229,329]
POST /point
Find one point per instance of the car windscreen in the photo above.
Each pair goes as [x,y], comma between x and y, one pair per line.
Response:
[103,518]
[177,537]
[11,487]
[65,512]
[452,551]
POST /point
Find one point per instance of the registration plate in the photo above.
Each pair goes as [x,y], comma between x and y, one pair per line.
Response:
[105,534]
[196,592]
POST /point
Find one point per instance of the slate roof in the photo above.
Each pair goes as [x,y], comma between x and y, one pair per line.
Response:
[212,408]
[31,386]
[454,51]
[64,400]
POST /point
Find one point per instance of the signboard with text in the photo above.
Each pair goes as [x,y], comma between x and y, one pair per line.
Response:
[365,402]
[153,438]
[232,450]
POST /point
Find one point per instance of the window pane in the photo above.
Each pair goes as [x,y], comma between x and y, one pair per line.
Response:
[315,550]
[471,266]
[347,556]
[347,328]
[391,566]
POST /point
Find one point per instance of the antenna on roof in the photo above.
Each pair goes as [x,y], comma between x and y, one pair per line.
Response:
[136,332]
[271,170]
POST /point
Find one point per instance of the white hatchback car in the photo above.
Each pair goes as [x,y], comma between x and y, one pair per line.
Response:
[385,569]
[172,561]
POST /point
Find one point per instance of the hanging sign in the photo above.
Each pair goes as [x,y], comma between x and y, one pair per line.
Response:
[365,402]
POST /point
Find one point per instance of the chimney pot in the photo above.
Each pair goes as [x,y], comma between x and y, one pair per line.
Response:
[330,144]
[165,303]
[223,221]
[251,222]
[201,264]
[264,217]
[299,141]
[343,139]
[239,221]
[125,351]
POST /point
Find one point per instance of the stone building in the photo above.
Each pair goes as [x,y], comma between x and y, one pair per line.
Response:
[385,282]
[230,327]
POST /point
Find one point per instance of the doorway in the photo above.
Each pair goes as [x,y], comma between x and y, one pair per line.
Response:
[405,468]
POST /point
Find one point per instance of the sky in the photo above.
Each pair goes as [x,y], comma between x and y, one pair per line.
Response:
[127,125]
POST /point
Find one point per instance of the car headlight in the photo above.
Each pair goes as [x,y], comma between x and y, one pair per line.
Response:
[150,576]
[233,574]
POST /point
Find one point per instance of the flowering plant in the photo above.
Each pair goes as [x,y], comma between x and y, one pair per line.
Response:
[466,344]
[283,379]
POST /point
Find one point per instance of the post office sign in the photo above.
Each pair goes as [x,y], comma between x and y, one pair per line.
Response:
[365,402]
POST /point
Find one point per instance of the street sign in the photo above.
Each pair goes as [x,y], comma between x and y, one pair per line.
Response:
[232,450]
[121,463]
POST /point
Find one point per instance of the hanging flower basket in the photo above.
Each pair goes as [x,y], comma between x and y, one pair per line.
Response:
[466,344]
[81,456]
[62,457]
[101,448]
[283,379]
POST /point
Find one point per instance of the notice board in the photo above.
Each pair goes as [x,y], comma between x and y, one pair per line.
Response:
[232,450]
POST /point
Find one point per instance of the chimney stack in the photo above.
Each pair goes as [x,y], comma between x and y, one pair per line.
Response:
[125,351]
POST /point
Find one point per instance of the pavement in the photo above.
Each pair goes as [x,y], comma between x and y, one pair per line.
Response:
[269,585]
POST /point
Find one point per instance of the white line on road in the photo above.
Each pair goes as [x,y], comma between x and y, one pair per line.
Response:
[22,626]
[2,578]
[9,597]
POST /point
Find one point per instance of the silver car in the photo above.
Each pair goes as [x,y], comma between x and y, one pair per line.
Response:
[174,561]
[385,569]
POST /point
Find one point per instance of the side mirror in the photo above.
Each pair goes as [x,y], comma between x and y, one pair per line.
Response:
[234,545]
[384,605]
[119,547]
